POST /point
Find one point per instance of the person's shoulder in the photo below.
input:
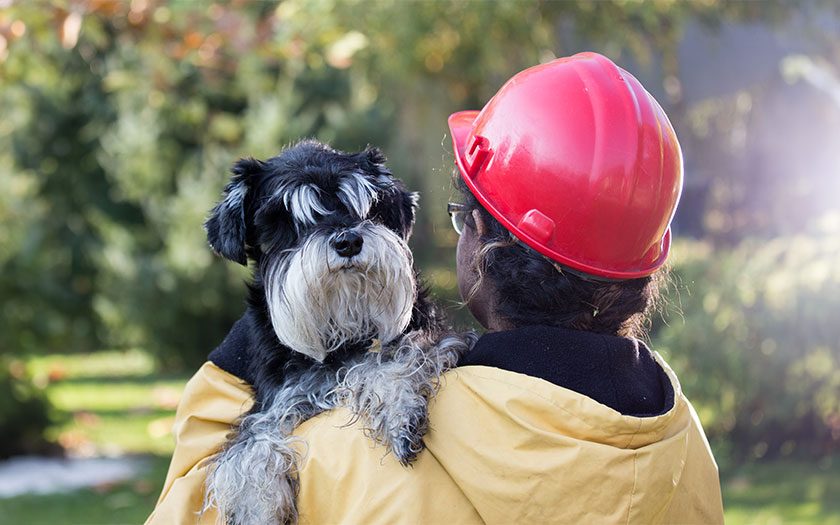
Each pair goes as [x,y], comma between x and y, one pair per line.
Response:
[336,425]
[337,443]
[345,476]
[214,394]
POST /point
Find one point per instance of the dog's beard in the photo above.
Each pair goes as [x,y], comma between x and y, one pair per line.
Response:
[319,301]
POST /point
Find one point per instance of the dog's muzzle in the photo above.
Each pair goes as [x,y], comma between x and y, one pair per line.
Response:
[340,289]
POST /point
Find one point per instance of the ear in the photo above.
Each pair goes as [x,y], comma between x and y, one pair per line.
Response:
[375,155]
[409,202]
[480,225]
[375,160]
[396,210]
[226,227]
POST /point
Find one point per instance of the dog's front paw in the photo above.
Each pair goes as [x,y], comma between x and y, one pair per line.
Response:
[406,441]
[390,390]
[254,483]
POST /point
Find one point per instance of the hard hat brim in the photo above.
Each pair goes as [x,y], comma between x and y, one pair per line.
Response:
[460,125]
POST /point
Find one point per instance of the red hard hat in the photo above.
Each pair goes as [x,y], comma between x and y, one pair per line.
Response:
[579,162]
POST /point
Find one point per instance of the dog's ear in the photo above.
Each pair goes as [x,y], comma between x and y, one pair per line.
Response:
[398,210]
[399,207]
[410,204]
[226,227]
[375,155]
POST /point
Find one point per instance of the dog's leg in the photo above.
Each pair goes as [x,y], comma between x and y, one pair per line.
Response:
[390,390]
[253,481]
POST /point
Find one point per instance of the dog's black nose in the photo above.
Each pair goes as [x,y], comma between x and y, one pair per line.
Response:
[347,244]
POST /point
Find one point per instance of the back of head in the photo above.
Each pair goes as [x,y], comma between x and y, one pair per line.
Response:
[531,289]
[577,171]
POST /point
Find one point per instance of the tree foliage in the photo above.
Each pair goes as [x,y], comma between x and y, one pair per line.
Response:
[24,412]
[753,333]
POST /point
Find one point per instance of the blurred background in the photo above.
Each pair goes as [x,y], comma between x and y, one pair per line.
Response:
[119,121]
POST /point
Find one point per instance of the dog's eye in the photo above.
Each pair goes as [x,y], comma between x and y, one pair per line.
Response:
[358,194]
[305,205]
[275,227]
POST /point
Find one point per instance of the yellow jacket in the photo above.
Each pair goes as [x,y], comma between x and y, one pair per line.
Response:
[503,448]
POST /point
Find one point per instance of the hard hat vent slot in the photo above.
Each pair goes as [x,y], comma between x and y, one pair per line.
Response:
[478,153]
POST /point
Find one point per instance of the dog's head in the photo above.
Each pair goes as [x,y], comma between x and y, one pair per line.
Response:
[327,232]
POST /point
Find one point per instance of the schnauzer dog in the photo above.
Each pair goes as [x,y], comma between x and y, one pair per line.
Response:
[335,317]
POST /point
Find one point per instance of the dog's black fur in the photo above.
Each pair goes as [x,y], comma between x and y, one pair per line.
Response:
[260,219]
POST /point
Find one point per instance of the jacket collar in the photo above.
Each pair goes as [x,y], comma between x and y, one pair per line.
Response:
[618,372]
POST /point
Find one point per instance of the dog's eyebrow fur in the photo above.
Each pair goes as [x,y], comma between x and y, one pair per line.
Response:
[303,203]
[357,193]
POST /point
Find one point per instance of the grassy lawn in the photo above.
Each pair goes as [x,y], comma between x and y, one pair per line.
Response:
[119,403]
[107,403]
[784,492]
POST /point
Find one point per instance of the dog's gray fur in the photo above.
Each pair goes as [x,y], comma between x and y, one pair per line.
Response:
[391,389]
[254,480]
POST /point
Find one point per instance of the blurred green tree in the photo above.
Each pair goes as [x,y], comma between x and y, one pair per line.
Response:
[753,333]
[24,412]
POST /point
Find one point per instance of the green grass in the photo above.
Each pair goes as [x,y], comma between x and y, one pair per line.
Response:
[784,491]
[117,402]
[116,396]
[109,402]
[117,416]
[106,403]
[106,364]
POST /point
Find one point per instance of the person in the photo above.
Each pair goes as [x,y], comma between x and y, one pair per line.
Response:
[570,177]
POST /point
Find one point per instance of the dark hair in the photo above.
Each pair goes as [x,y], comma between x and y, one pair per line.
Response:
[534,290]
